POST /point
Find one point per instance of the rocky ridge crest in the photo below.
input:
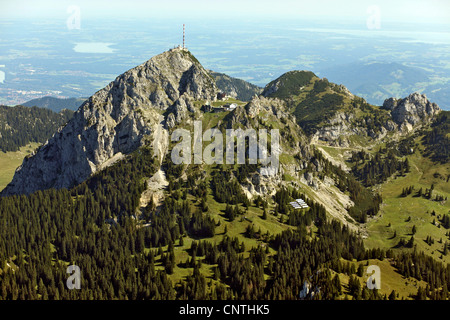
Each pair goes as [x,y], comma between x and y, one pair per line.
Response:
[117,120]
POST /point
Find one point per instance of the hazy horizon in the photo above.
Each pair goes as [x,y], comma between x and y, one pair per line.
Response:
[415,11]
[73,48]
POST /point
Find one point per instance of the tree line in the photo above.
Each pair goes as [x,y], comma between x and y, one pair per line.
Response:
[378,168]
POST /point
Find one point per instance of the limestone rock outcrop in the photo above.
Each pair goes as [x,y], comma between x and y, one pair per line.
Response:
[117,119]
[413,109]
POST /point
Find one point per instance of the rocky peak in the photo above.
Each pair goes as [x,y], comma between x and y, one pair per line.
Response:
[261,103]
[116,120]
[412,110]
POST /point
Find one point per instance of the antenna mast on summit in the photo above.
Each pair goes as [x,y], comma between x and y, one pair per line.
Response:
[183,37]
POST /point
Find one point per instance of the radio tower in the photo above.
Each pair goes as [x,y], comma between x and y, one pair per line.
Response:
[183,37]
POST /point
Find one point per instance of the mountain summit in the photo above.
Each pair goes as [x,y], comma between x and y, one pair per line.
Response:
[142,105]
[412,110]
[116,120]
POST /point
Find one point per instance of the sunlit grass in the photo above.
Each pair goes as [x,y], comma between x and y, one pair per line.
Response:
[400,214]
[9,162]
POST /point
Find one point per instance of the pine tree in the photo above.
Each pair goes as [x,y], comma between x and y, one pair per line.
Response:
[360,271]
[410,243]
[392,295]
[407,165]
[264,215]
[421,294]
[419,193]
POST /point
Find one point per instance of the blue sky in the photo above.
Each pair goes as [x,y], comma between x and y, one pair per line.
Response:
[411,11]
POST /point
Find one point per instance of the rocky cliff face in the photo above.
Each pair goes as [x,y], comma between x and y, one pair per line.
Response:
[236,88]
[142,105]
[117,120]
[412,110]
[337,131]
[405,115]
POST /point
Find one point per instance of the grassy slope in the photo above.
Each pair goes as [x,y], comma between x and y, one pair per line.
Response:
[216,210]
[298,87]
[389,277]
[9,161]
[396,209]
[235,228]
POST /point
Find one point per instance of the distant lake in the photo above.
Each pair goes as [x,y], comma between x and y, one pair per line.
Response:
[93,47]
[79,62]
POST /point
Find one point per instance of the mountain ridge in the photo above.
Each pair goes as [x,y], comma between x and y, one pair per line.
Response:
[139,210]
[330,113]
[143,105]
[115,120]
[55,104]
[234,87]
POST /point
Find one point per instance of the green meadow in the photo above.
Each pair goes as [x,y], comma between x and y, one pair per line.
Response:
[9,162]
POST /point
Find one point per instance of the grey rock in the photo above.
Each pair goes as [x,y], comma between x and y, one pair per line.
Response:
[390,103]
[118,119]
[412,110]
[170,121]
[390,125]
[180,110]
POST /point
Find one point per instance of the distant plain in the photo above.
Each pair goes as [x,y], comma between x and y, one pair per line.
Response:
[50,59]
